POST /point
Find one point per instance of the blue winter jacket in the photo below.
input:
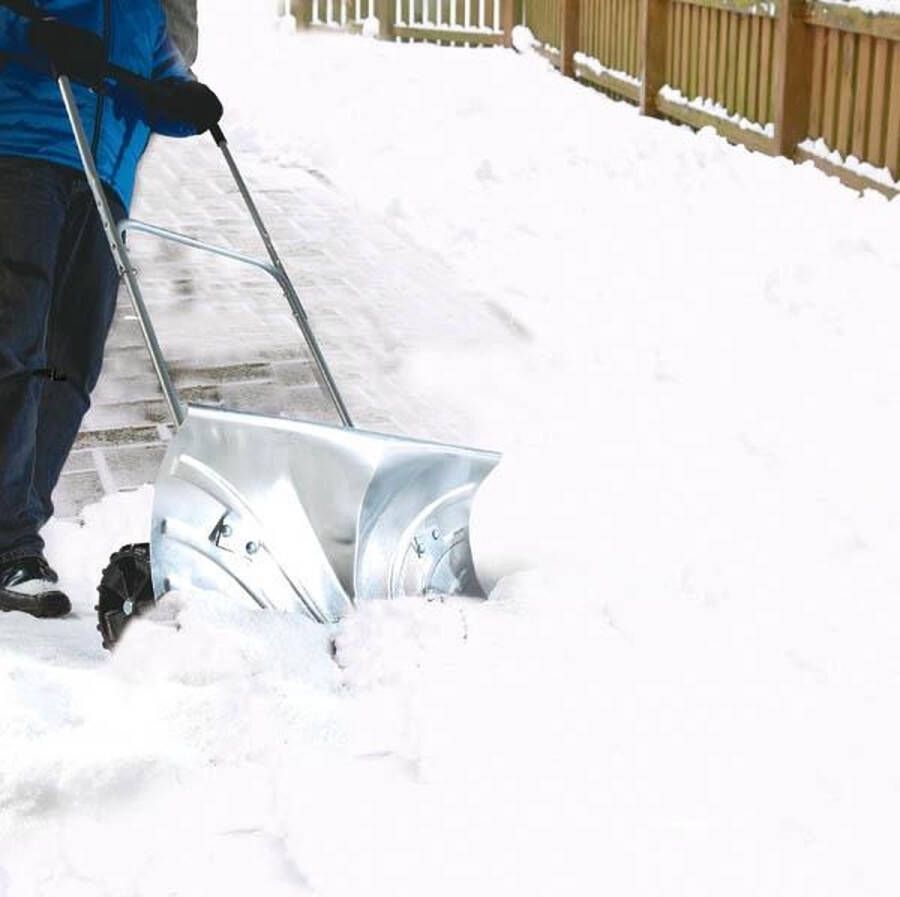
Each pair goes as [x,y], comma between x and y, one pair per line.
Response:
[33,121]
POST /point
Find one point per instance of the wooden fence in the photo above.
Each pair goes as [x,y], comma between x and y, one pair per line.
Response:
[452,22]
[803,78]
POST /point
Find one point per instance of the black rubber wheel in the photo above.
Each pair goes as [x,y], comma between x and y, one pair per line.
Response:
[125,590]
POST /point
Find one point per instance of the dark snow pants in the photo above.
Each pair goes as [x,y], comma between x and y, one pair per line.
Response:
[58,286]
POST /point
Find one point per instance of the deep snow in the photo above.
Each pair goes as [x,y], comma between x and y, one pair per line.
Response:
[686,681]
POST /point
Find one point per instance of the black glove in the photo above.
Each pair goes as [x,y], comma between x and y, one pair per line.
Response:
[72,51]
[184,102]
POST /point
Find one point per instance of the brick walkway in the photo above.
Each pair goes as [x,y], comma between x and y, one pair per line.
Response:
[226,330]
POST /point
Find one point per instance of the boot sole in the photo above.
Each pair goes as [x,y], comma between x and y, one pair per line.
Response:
[49,606]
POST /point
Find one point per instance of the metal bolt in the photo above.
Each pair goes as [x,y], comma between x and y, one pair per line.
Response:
[252,547]
[226,530]
[128,607]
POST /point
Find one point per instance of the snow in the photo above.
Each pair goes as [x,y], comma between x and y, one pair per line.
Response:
[523,39]
[597,67]
[717,110]
[686,679]
[851,163]
[873,7]
[370,27]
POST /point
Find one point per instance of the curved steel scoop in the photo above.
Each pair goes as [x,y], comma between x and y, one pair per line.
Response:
[292,514]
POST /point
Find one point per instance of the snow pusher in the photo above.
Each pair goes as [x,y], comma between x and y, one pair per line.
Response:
[284,514]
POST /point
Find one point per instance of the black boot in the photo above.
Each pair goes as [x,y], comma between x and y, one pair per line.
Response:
[29,585]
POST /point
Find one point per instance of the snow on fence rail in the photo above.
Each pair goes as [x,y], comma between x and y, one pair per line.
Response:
[808,79]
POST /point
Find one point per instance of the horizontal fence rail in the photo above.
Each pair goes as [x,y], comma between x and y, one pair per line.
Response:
[808,79]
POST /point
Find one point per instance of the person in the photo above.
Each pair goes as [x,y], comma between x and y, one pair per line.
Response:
[58,280]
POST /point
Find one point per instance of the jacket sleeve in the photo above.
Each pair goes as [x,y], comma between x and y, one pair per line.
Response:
[13,33]
[167,59]
[168,65]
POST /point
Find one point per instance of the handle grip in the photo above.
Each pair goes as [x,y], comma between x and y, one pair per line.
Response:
[218,135]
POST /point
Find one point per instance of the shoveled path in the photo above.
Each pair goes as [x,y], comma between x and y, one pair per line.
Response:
[371,294]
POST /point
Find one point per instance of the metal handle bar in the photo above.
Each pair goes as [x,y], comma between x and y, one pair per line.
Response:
[284,280]
[115,236]
[117,246]
[130,224]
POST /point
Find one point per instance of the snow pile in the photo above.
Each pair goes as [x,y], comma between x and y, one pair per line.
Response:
[711,107]
[598,68]
[523,39]
[686,681]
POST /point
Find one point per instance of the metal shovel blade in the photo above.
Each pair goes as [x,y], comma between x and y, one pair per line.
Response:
[294,515]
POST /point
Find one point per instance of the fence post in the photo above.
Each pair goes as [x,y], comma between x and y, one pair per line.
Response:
[507,20]
[793,76]
[385,12]
[654,36]
[571,13]
[301,10]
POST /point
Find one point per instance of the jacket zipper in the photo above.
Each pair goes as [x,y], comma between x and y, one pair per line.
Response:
[98,117]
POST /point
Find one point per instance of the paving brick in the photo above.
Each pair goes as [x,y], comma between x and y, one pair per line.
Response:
[81,460]
[75,490]
[135,465]
[137,435]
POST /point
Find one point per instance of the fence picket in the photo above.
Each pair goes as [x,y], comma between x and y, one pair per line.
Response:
[625,52]
[634,65]
[753,70]
[693,39]
[639,41]
[862,107]
[584,28]
[616,57]
[766,68]
[892,143]
[740,96]
[702,50]
[722,81]
[845,92]
[832,64]
[879,104]
[709,89]
[615,7]
[731,99]
[817,98]
[674,43]
[684,81]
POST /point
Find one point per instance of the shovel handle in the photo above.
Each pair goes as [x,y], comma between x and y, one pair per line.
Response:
[325,376]
[120,253]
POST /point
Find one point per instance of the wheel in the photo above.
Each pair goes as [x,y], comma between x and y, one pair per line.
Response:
[125,590]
